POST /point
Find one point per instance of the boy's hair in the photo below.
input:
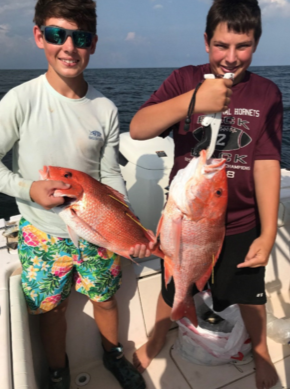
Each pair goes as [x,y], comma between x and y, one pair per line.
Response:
[81,12]
[241,16]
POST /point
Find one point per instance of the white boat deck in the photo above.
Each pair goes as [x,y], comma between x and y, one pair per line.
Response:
[169,371]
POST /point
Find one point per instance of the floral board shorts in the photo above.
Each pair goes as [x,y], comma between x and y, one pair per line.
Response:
[51,265]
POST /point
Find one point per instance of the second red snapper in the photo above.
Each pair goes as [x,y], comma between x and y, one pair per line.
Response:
[98,213]
[192,229]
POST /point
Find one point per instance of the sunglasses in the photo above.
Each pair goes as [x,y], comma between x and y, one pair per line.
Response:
[58,35]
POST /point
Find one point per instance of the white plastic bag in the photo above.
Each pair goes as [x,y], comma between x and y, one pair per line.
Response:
[213,347]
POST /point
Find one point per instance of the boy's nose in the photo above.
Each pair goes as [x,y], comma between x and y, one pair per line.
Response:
[231,55]
[68,45]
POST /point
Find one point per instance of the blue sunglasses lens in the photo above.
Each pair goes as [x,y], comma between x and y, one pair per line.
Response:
[58,35]
[54,35]
[82,39]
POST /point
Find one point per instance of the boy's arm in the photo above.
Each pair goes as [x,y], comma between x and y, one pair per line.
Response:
[11,117]
[267,187]
[12,184]
[213,96]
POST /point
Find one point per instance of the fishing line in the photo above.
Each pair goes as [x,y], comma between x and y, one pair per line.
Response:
[191,109]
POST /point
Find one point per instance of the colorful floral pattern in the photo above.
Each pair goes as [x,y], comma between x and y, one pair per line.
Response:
[51,265]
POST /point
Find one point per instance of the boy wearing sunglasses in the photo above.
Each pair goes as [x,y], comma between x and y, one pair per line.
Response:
[58,119]
[250,140]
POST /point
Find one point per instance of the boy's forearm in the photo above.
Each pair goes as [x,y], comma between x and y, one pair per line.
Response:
[267,185]
[13,185]
[151,121]
[212,96]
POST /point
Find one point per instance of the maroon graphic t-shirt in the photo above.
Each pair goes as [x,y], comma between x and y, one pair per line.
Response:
[251,130]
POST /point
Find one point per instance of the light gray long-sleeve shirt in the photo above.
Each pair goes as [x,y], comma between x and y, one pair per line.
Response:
[46,128]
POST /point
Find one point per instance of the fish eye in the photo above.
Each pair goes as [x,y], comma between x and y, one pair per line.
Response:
[219,192]
[68,175]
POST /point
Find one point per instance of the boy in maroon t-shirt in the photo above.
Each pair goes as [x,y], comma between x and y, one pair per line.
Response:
[250,141]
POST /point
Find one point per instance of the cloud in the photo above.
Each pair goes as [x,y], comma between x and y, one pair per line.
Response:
[130,36]
[19,5]
[136,40]
[275,7]
[158,6]
[4,28]
[270,8]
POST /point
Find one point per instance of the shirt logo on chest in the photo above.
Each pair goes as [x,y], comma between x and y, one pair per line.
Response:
[229,138]
[95,135]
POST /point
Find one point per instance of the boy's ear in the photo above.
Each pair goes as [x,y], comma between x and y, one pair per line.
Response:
[94,44]
[206,42]
[38,37]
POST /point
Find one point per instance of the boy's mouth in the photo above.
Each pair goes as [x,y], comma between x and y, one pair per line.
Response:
[69,62]
[227,69]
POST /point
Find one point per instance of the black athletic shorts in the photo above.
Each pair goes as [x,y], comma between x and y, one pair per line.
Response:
[231,285]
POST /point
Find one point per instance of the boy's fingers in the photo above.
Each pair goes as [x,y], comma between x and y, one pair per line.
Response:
[58,184]
[152,245]
[249,263]
[228,82]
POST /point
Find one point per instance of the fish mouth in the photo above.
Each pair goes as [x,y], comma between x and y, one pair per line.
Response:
[68,201]
[212,166]
[68,198]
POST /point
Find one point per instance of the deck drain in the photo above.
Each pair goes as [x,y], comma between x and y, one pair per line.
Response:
[83,379]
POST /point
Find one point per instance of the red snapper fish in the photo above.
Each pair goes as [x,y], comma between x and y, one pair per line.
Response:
[98,213]
[192,229]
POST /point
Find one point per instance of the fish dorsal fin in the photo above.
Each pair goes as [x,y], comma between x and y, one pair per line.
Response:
[74,236]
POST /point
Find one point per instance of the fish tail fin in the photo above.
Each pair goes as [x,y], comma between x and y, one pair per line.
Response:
[184,308]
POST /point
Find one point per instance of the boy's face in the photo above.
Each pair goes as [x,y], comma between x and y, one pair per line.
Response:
[66,60]
[230,52]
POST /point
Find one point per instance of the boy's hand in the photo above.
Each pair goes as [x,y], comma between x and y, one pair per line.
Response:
[213,96]
[258,254]
[42,193]
[141,251]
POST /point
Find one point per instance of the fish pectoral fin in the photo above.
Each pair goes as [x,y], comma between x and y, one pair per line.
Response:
[168,270]
[159,225]
[73,236]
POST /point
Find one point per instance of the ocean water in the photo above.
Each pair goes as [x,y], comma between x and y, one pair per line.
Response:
[129,89]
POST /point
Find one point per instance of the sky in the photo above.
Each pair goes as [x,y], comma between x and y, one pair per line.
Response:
[142,33]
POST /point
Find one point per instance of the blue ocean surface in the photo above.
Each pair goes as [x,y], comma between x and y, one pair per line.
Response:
[129,89]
